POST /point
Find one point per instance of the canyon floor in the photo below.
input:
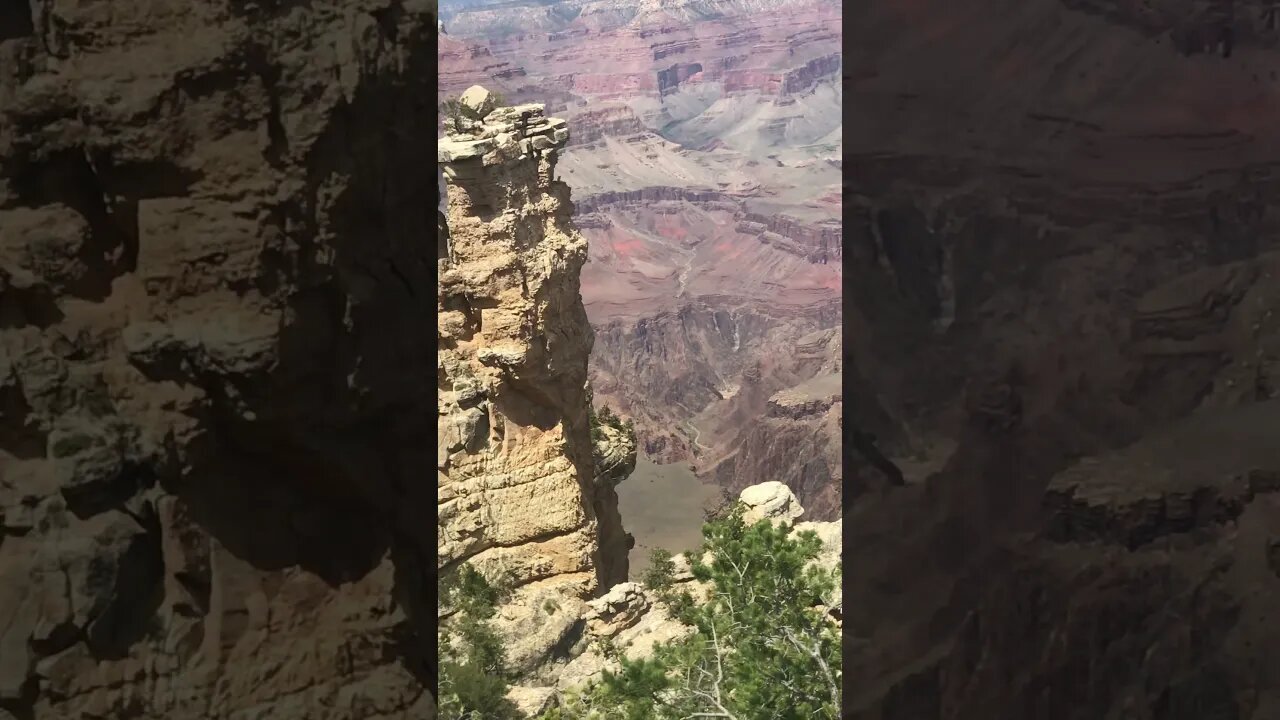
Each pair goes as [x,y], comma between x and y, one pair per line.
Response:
[663,506]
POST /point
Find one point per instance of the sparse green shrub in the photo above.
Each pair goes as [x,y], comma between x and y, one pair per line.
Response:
[473,676]
[606,417]
[660,575]
[759,650]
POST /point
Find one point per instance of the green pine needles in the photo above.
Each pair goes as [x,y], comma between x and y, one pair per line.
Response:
[605,416]
[759,650]
[473,677]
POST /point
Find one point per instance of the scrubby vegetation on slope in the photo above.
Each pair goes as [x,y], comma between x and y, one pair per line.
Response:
[473,677]
[759,649]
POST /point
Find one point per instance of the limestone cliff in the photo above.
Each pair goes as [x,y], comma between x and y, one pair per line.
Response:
[214,271]
[521,491]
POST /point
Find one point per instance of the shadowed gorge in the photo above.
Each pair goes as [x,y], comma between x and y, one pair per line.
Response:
[1063,243]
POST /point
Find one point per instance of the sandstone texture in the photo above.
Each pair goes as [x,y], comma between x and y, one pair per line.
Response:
[524,490]
[213,286]
[770,501]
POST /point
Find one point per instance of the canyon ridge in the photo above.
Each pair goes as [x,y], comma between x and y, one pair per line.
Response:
[1063,225]
[705,166]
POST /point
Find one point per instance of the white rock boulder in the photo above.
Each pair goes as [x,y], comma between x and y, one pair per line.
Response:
[771,501]
[479,100]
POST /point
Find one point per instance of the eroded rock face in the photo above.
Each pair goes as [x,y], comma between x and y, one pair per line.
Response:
[523,490]
[213,275]
[1095,333]
[705,166]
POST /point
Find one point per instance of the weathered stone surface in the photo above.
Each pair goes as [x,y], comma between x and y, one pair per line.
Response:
[831,555]
[479,100]
[523,491]
[615,454]
[448,151]
[617,610]
[635,621]
[532,701]
[772,501]
[538,624]
[213,274]
[637,641]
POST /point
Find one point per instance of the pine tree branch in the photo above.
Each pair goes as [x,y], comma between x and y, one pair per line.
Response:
[832,687]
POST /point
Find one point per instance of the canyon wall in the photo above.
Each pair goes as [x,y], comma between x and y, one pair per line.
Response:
[1063,239]
[705,166]
[213,342]
[526,473]
[523,491]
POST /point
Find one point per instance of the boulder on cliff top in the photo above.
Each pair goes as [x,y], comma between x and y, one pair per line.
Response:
[770,500]
[479,100]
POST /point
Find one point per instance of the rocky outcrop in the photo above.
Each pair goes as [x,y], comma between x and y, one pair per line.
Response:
[670,78]
[705,162]
[770,501]
[635,621]
[594,124]
[812,397]
[615,452]
[653,195]
[821,243]
[794,436]
[213,275]
[1139,521]
[524,492]
[808,75]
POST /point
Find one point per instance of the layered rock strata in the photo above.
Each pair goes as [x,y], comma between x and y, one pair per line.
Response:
[795,435]
[523,490]
[705,165]
[1063,251]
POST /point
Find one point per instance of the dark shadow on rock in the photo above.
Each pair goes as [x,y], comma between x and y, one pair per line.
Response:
[283,509]
[130,613]
[69,178]
[15,20]
[33,306]
[18,437]
[414,640]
